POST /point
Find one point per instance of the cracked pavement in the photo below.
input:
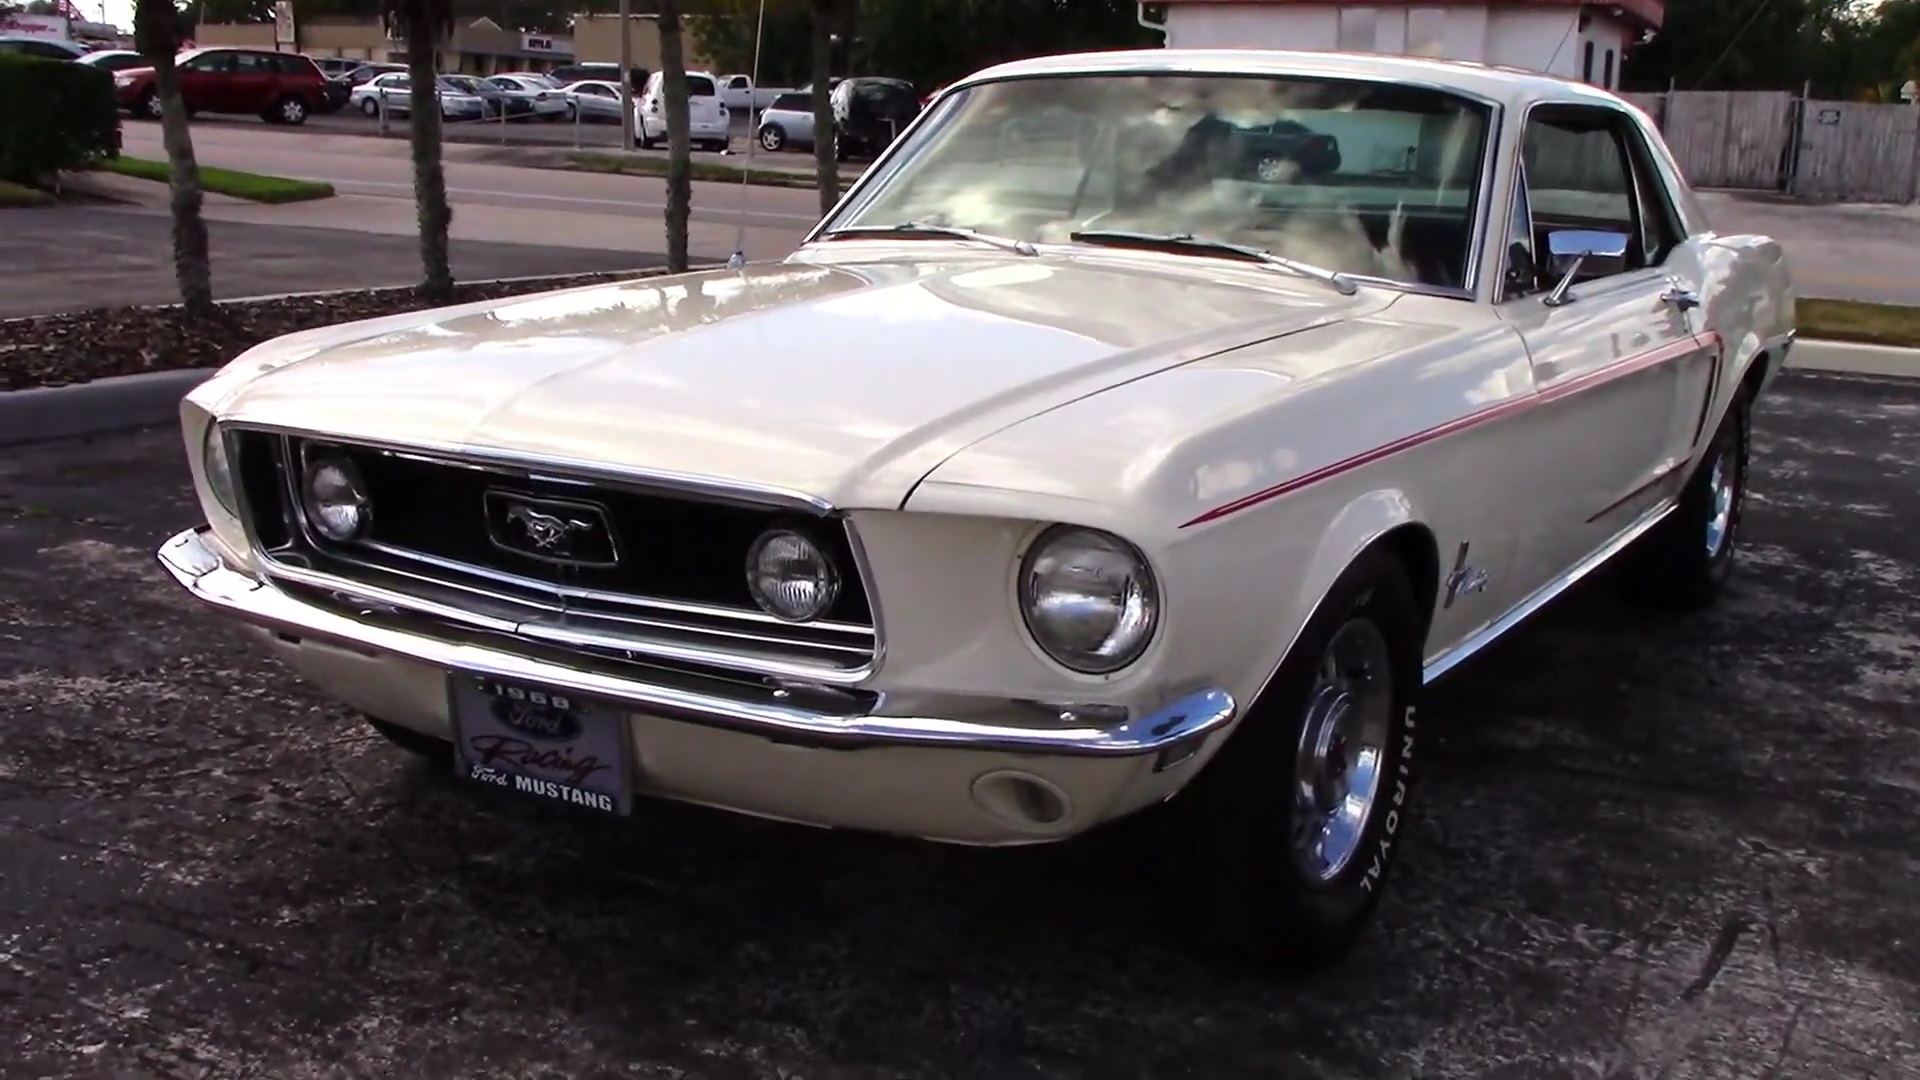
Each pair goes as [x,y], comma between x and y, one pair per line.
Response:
[1647,846]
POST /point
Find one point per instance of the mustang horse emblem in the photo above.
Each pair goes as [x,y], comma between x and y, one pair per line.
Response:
[547,532]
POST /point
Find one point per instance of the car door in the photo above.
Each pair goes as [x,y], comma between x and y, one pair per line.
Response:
[253,83]
[1619,371]
[703,101]
[203,81]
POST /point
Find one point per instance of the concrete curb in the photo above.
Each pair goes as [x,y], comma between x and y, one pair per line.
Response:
[130,401]
[1854,359]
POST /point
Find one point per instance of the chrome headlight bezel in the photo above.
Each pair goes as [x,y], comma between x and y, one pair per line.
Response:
[216,464]
[765,578]
[1137,610]
[349,490]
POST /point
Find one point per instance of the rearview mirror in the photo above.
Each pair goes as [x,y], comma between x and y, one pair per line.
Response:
[1583,254]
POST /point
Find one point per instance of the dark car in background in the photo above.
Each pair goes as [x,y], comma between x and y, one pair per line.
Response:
[1272,152]
[280,88]
[869,112]
[367,72]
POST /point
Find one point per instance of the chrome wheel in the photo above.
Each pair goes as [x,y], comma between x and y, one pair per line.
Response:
[1343,744]
[293,110]
[1271,170]
[1721,484]
[772,138]
[153,106]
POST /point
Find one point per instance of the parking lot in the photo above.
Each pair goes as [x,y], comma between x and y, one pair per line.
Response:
[1648,847]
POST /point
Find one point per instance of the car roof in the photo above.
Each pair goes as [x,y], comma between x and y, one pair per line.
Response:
[1494,83]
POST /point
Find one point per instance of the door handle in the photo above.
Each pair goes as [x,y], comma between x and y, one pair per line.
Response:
[1680,297]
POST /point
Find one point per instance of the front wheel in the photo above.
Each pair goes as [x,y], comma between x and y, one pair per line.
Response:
[1297,821]
[150,105]
[370,107]
[772,138]
[1685,561]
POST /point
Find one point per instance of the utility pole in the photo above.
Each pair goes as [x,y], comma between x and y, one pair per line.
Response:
[626,74]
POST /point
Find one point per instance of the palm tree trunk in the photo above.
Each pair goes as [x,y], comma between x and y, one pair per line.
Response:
[157,31]
[673,80]
[429,176]
[826,160]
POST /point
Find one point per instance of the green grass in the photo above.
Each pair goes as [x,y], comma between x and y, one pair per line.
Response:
[241,185]
[12,194]
[589,161]
[1852,320]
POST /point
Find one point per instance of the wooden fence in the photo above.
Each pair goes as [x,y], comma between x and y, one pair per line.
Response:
[1828,151]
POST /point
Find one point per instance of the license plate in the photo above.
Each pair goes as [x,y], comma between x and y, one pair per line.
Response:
[543,743]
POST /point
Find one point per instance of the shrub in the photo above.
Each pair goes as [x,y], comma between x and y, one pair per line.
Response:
[58,115]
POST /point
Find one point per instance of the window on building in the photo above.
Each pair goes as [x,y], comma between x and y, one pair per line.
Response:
[1586,63]
[1606,71]
[1356,30]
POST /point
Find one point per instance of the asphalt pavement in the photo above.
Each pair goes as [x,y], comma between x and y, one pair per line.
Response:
[1647,846]
[72,258]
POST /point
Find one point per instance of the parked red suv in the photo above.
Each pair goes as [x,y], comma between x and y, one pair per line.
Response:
[280,88]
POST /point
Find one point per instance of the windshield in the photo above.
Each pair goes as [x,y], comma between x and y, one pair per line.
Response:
[1371,179]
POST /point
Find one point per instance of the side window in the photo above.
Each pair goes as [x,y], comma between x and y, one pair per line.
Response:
[210,62]
[1589,168]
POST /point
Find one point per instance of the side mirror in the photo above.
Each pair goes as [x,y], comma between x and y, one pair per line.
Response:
[1572,251]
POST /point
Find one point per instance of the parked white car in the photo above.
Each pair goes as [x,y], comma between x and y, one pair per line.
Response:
[1073,464]
[708,122]
[548,101]
[393,91]
[738,93]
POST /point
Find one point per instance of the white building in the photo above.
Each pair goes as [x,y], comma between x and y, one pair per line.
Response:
[1570,38]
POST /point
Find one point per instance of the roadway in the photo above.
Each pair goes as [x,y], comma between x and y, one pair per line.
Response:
[1843,252]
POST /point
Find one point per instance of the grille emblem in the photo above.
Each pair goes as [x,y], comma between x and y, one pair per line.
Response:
[567,531]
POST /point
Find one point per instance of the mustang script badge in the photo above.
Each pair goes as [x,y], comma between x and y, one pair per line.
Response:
[555,530]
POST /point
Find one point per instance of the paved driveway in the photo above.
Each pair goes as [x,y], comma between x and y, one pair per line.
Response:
[74,258]
[1684,848]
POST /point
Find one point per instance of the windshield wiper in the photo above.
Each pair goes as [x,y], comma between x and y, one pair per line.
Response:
[1190,242]
[923,228]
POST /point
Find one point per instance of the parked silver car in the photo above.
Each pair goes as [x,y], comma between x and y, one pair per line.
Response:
[394,91]
[594,100]
[787,124]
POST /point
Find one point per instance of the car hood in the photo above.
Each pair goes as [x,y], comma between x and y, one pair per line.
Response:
[844,381]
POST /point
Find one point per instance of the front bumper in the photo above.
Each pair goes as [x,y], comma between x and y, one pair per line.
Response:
[922,773]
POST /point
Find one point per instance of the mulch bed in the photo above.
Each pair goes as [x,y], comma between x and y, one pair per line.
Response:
[79,346]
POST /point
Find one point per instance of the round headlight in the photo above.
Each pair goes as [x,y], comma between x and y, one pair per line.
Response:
[1089,599]
[790,577]
[335,500]
[213,460]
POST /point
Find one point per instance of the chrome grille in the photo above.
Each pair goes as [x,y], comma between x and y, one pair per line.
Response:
[677,592]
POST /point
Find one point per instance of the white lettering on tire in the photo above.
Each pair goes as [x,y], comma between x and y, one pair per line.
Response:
[1370,881]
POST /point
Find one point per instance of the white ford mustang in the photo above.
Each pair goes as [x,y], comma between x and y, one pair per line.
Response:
[1115,439]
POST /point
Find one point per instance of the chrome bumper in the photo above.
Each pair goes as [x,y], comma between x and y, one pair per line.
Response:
[1172,731]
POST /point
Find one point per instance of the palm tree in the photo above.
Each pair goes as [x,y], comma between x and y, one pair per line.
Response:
[673,81]
[156,30]
[424,25]
[826,156]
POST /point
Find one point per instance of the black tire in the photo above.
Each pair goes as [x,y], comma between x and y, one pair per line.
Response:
[370,106]
[1685,561]
[413,742]
[773,138]
[290,110]
[149,105]
[1270,902]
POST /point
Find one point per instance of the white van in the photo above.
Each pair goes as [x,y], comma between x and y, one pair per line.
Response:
[707,121]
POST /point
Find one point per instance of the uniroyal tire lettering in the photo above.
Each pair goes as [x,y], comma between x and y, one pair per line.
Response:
[1370,881]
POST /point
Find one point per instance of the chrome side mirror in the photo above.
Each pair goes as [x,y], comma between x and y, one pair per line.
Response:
[1573,250]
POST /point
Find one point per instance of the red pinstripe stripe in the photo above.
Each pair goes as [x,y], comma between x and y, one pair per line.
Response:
[1617,370]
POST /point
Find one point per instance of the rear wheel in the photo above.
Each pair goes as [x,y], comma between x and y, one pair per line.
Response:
[289,110]
[772,138]
[149,105]
[1685,561]
[1296,822]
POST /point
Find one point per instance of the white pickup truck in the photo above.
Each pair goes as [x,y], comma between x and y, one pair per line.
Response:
[737,92]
